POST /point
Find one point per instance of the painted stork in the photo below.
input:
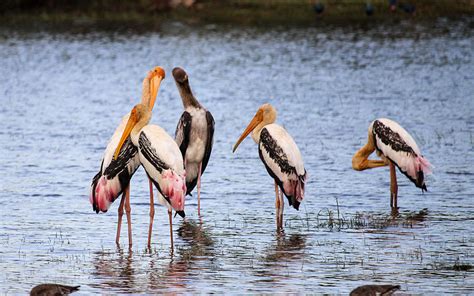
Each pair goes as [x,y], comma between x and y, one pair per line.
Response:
[396,147]
[194,134]
[281,157]
[114,175]
[160,157]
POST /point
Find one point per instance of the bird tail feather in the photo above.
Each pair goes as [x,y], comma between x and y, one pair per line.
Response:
[174,188]
[103,192]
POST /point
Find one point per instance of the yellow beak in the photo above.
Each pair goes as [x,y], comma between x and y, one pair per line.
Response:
[155,82]
[253,124]
[132,121]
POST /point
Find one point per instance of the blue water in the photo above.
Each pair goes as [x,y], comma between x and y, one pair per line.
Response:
[62,95]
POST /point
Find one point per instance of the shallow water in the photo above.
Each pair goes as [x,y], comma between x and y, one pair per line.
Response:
[64,93]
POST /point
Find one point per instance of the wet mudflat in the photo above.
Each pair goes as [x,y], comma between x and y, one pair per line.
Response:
[63,94]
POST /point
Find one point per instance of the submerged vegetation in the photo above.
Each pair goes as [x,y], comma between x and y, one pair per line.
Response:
[334,220]
[248,12]
[458,265]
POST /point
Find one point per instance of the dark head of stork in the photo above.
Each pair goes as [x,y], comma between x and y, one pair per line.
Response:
[182,82]
[180,75]
[139,117]
[151,85]
[266,114]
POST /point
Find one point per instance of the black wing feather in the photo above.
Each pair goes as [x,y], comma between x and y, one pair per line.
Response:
[183,135]
[279,156]
[209,141]
[183,132]
[395,141]
[150,153]
[117,167]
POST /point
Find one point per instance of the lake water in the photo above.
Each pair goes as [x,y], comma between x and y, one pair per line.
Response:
[63,93]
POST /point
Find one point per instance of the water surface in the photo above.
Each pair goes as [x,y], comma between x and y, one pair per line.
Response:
[63,94]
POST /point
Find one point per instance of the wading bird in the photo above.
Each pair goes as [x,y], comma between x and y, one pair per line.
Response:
[194,134]
[53,290]
[160,157]
[281,157]
[396,148]
[374,290]
[114,175]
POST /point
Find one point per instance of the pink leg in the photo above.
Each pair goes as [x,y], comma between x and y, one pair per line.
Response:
[199,189]
[393,186]
[128,212]
[152,213]
[120,215]
[171,229]
[277,206]
[282,205]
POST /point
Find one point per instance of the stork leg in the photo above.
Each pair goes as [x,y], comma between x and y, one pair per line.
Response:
[119,222]
[393,186]
[199,189]
[277,206]
[152,213]
[128,212]
[171,229]
[282,205]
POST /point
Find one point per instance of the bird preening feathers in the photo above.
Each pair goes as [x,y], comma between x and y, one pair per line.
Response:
[396,148]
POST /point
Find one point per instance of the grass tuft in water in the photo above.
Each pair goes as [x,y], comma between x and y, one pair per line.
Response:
[457,266]
[460,266]
[333,219]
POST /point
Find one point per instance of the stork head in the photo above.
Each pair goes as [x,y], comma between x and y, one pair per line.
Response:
[139,116]
[180,75]
[266,114]
[151,85]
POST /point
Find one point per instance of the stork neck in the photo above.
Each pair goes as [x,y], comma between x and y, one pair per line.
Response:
[363,153]
[187,95]
[146,93]
[257,131]
[135,133]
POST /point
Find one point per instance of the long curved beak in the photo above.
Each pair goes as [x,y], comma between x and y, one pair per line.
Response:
[155,83]
[253,124]
[132,121]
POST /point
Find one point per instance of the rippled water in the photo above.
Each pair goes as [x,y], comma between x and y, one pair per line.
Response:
[62,95]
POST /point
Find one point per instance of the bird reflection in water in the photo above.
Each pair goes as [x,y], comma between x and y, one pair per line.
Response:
[375,222]
[278,256]
[199,246]
[115,269]
[286,248]
[408,219]
[152,270]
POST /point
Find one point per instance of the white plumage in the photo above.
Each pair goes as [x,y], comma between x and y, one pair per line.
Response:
[120,163]
[115,175]
[392,141]
[161,158]
[397,148]
[281,157]
[165,149]
[289,147]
